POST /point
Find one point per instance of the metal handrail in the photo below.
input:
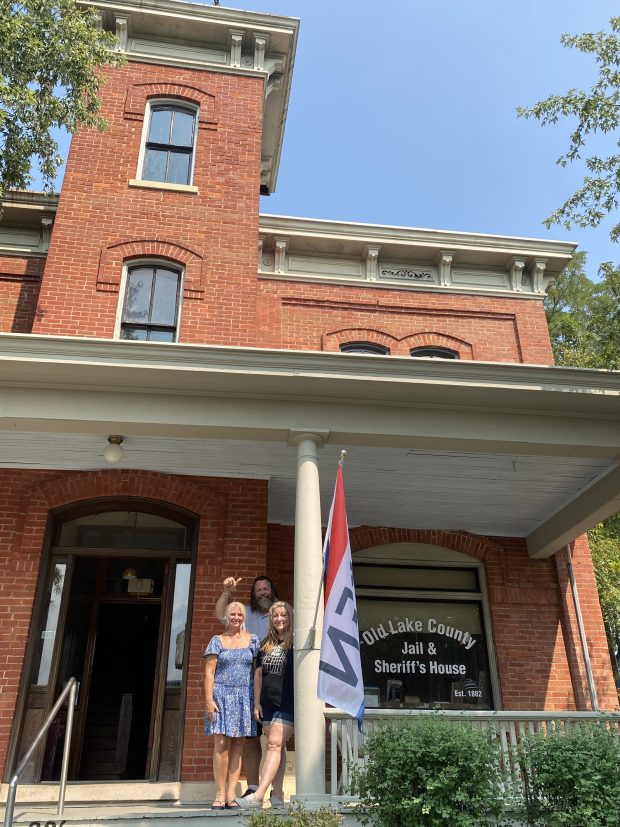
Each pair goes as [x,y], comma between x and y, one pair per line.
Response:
[70,690]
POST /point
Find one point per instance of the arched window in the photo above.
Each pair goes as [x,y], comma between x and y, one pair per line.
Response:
[169,144]
[431,352]
[151,306]
[365,347]
[424,628]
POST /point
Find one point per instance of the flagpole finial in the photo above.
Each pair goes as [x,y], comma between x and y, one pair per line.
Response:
[342,456]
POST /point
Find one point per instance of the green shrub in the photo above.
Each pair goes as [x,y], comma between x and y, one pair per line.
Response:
[572,779]
[296,816]
[429,772]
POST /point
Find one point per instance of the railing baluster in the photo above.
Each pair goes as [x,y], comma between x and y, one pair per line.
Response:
[333,766]
[509,728]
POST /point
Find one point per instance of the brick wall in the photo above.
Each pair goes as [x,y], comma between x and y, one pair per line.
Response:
[537,646]
[232,540]
[538,649]
[20,281]
[101,221]
[321,317]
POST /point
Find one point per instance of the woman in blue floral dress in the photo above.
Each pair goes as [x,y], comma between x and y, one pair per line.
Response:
[229,701]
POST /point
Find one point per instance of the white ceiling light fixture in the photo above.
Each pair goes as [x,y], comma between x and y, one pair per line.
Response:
[113,452]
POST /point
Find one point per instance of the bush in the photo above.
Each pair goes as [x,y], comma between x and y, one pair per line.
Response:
[296,816]
[429,772]
[573,778]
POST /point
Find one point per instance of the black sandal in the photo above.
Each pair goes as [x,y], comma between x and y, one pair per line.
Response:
[231,804]
[219,804]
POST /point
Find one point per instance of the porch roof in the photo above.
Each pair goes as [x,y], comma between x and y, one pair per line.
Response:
[491,448]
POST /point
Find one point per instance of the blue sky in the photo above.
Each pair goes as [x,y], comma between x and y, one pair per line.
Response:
[403,112]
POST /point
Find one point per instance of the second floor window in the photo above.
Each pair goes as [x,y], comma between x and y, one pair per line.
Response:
[364,347]
[169,147]
[435,352]
[151,307]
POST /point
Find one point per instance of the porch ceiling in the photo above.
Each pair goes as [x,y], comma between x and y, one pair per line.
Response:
[493,449]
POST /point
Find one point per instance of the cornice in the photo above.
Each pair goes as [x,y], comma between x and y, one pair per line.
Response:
[198,11]
[408,258]
[59,362]
[377,233]
[26,223]
[31,200]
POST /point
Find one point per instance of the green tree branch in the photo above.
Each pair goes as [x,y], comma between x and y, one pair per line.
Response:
[50,54]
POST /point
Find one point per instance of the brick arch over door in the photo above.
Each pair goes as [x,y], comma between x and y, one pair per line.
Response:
[60,491]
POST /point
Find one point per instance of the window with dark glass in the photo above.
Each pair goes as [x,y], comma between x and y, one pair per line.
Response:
[435,352]
[364,347]
[151,304]
[422,637]
[169,149]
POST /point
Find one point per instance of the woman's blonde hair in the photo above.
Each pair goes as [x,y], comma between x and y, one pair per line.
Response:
[234,605]
[272,640]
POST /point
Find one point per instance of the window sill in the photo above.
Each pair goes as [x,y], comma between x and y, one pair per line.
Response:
[160,185]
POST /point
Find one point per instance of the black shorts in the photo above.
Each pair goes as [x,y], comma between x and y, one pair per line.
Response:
[259,731]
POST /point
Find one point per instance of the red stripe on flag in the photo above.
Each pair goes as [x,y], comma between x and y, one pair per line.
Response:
[339,534]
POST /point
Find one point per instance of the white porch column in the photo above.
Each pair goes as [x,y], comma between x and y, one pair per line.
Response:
[308,607]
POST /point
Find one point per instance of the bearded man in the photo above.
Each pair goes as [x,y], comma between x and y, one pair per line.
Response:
[262,595]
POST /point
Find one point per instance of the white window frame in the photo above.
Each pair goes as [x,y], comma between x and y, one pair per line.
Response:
[148,262]
[144,182]
[430,556]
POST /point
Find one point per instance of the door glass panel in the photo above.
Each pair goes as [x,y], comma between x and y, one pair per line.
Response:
[74,643]
[176,647]
[84,577]
[123,529]
[43,657]
[135,576]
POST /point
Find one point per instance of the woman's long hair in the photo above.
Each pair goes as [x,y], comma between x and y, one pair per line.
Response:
[272,640]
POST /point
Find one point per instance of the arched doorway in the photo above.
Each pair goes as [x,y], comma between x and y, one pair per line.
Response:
[113,615]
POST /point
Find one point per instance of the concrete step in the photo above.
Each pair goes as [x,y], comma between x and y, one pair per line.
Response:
[146,814]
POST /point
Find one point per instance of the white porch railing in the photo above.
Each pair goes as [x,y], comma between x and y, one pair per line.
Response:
[347,743]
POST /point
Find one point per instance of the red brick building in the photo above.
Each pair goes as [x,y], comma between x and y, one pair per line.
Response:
[234,355]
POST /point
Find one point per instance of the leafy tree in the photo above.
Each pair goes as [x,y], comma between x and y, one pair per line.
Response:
[584,324]
[605,546]
[596,110]
[584,317]
[50,51]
